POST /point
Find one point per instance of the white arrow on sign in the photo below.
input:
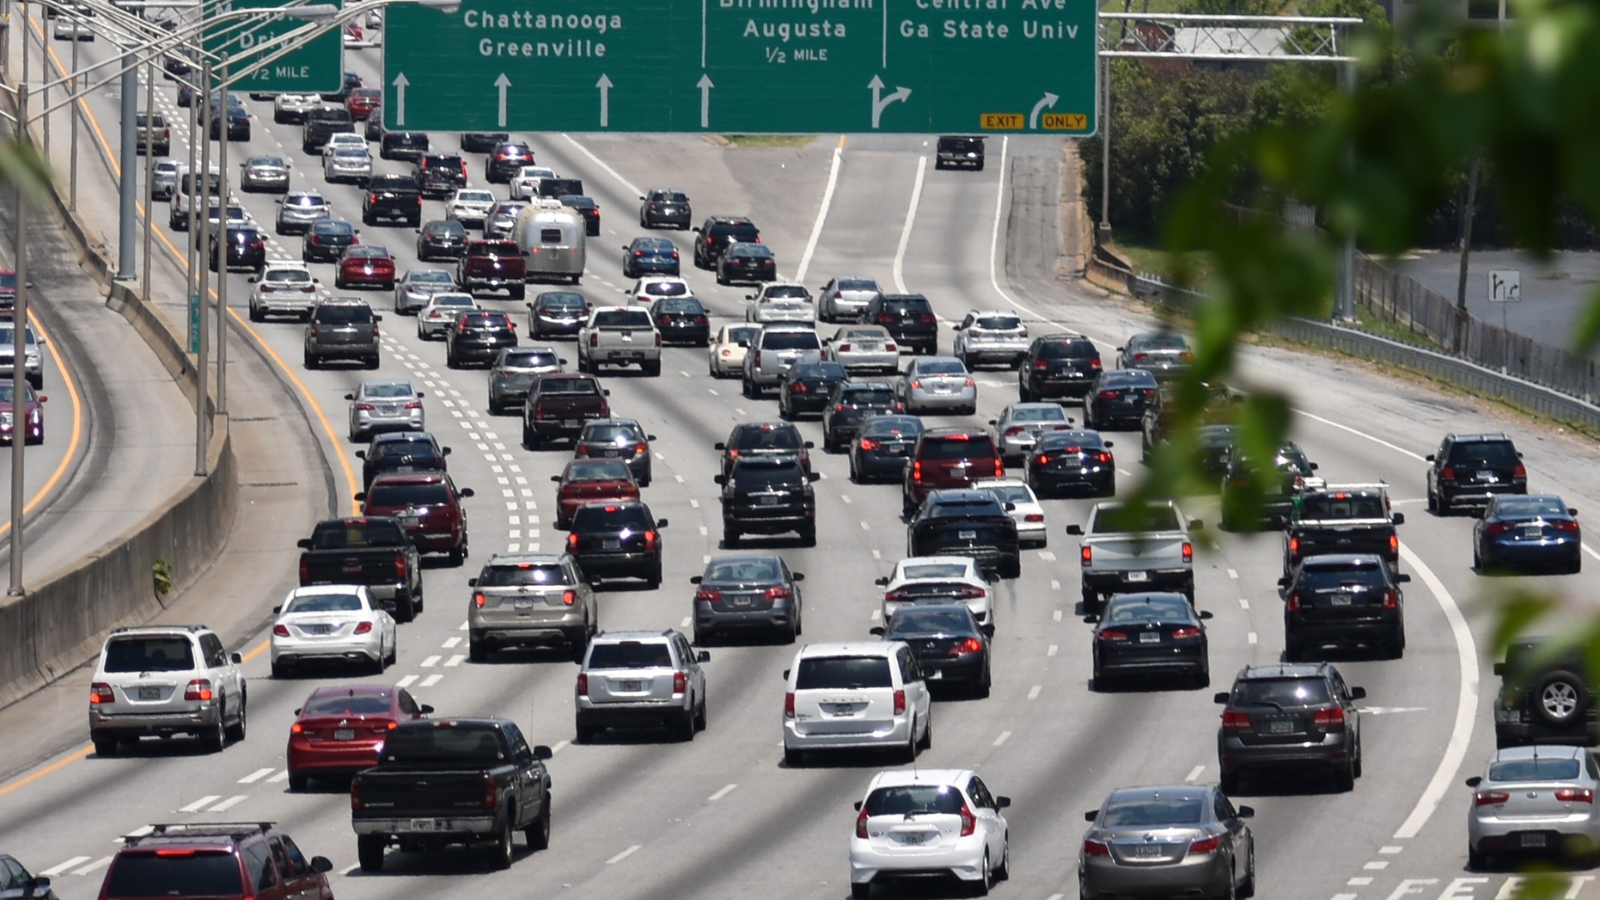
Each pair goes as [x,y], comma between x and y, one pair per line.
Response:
[400,83]
[502,83]
[705,86]
[1048,101]
[604,84]
[879,102]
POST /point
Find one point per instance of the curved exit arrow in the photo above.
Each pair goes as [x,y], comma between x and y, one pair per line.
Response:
[880,103]
[1048,101]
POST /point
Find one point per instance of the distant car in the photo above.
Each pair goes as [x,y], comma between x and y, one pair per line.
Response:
[347,164]
[958,152]
[28,885]
[428,505]
[883,686]
[864,348]
[1198,844]
[1023,505]
[436,318]
[1164,354]
[1527,531]
[339,730]
[650,256]
[585,207]
[623,439]
[332,623]
[1290,717]
[640,679]
[385,404]
[557,313]
[478,336]
[590,481]
[1068,461]
[513,372]
[525,182]
[401,451]
[1056,367]
[1343,599]
[747,592]
[1117,399]
[470,206]
[748,263]
[530,600]
[681,320]
[714,236]
[402,144]
[778,302]
[367,265]
[1468,469]
[620,539]
[665,207]
[243,247]
[917,822]
[850,405]
[164,177]
[725,355]
[283,288]
[937,383]
[32,412]
[1021,425]
[123,707]
[938,581]
[948,643]
[882,447]
[845,298]
[481,142]
[265,173]
[651,288]
[1534,801]
[966,522]
[416,287]
[300,209]
[1149,634]
[502,217]
[990,336]
[806,388]
[291,109]
[362,101]
[1273,486]
[441,239]
[505,159]
[441,174]
[342,328]
[327,239]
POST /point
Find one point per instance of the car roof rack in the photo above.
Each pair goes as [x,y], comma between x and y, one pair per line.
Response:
[192,629]
[235,830]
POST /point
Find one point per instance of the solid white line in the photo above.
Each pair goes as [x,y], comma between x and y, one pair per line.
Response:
[1004,736]
[1056,897]
[1589,550]
[196,806]
[431,680]
[53,871]
[994,236]
[723,791]
[623,855]
[1047,556]
[1416,456]
[406,682]
[1194,773]
[905,231]
[1033,692]
[229,803]
[255,776]
[601,163]
[95,866]
[822,215]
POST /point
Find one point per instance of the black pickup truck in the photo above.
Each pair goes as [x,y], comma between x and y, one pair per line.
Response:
[392,197]
[374,551]
[1342,518]
[443,782]
[323,122]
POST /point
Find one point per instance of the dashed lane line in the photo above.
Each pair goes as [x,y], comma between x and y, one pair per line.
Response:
[723,791]
[624,855]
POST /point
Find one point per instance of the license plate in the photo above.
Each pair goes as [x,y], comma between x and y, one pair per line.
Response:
[611,544]
[1150,637]
[967,535]
[1340,599]
[894,451]
[410,521]
[523,603]
[149,693]
[1533,840]
[344,734]
[841,709]
[424,825]
[769,501]
[1282,726]
[570,423]
[1486,476]
[1138,576]
[627,335]
[914,838]
[629,686]
[1146,851]
[316,629]
[741,601]
[1532,531]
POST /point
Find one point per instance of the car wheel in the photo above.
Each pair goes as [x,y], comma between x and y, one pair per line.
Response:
[255,314]
[236,731]
[1002,872]
[394,652]
[1433,502]
[796,759]
[730,538]
[1091,602]
[1477,860]
[927,735]
[279,670]
[1443,506]
[213,739]
[105,746]
[538,834]
[1228,780]
[860,891]
[503,851]
[908,753]
[458,555]
[980,888]
[582,734]
[298,783]
[369,852]
[1561,698]
[405,609]
[1355,765]
[477,651]
[686,727]
[1344,779]
[808,536]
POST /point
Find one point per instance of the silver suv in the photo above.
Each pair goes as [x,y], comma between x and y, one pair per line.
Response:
[530,600]
[641,679]
[775,349]
[166,680]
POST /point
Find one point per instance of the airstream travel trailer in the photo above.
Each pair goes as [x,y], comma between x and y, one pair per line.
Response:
[552,240]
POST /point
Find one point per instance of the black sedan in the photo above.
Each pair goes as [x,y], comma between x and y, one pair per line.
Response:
[747,592]
[441,239]
[746,262]
[586,207]
[557,314]
[852,404]
[1214,447]
[401,451]
[1117,399]
[681,320]
[408,145]
[478,336]
[948,643]
[1526,532]
[1150,634]
[327,239]
[247,248]
[622,439]
[617,540]
[806,388]
[1071,461]
[882,447]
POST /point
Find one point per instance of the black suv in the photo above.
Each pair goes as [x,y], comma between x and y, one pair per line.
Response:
[1057,366]
[1343,598]
[909,319]
[967,523]
[323,122]
[392,197]
[807,387]
[482,141]
[247,247]
[959,152]
[403,144]
[747,262]
[716,233]
[1117,398]
[768,495]
[1290,717]
[1546,696]
[617,540]
[749,439]
[505,159]
[853,403]
[478,336]
[218,861]
[1470,467]
[441,174]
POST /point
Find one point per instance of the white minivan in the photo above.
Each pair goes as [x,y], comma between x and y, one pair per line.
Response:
[856,696]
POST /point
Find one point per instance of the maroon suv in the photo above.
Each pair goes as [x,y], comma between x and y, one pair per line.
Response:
[428,506]
[949,458]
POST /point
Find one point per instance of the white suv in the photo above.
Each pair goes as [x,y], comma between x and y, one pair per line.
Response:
[641,679]
[916,822]
[855,696]
[166,680]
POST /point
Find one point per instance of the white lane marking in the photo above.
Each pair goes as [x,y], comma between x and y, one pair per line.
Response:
[623,855]
[1056,615]
[95,866]
[1390,850]
[1233,574]
[1590,550]
[559,746]
[683,373]
[687,621]
[1403,885]
[723,791]
[53,871]
[1004,736]
[822,215]
[1033,692]
[1359,881]
[865,526]
[430,662]
[141,831]
[713,392]
[1194,773]
[1376,865]
[905,231]
[1047,556]
[875,615]
[203,802]
[608,170]
[845,498]
[693,503]
[877,554]
[255,776]
[279,778]
[1053,649]
[703,531]
[431,680]
[1466,701]
[994,236]
[1251,637]
[229,803]
[1055,585]
[1243,603]
[462,627]
[406,682]
[1056,897]
[454,660]
[452,642]
[679,477]
[1395,447]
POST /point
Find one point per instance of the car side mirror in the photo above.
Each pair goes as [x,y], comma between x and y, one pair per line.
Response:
[648,437]
[1403,578]
[1314,467]
[1474,781]
[251,280]
[749,296]
[1010,507]
[813,477]
[42,398]
[606,392]
[1572,512]
[857,805]
[697,579]
[995,422]
[1358,693]
[361,454]
[321,864]
[445,451]
[1398,518]
[1002,802]
[303,543]
[877,630]
[472,582]
[1283,582]
[1091,815]
[1091,620]
[1109,444]
[1429,457]
[1205,615]
[661,523]
[555,478]
[810,445]
[881,580]
[1246,812]
[361,497]
[277,609]
[1500,668]
[797,576]
[720,479]
[425,709]
[237,658]
[1075,529]
[785,674]
[703,656]
[349,396]
[541,752]
[1220,697]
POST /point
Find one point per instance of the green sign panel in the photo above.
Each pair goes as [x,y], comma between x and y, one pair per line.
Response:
[318,66]
[194,323]
[743,66]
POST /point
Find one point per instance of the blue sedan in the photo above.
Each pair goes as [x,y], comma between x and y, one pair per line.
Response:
[1527,531]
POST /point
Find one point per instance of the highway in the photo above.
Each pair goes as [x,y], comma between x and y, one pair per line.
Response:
[722,817]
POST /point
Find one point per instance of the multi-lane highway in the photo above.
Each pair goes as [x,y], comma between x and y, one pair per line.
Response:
[722,817]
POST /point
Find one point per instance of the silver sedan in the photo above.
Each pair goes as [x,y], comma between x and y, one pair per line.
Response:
[937,383]
[413,291]
[385,404]
[1020,424]
[1168,840]
[845,298]
[1533,800]
[353,164]
[267,174]
[436,318]
[470,206]
[863,349]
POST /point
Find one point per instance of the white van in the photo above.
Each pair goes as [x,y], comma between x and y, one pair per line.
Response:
[855,696]
[552,240]
[178,216]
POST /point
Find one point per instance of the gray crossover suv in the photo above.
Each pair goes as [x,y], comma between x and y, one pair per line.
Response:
[530,600]
[342,328]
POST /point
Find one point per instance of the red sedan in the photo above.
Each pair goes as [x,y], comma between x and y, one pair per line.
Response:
[365,264]
[592,481]
[33,413]
[363,101]
[341,730]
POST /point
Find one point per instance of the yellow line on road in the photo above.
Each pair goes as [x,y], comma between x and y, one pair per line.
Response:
[37,774]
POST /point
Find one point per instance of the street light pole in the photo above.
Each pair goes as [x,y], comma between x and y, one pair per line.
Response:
[200,192]
[149,179]
[19,361]
[127,205]
[72,124]
[220,253]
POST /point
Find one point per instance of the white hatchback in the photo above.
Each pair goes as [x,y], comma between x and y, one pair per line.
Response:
[332,623]
[914,822]
[856,696]
[725,355]
[938,580]
[1025,509]
[657,287]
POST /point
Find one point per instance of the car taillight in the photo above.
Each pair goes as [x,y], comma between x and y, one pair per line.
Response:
[788,705]
[363,628]
[583,684]
[1140,357]
[400,567]
[1292,602]
[491,793]
[1107,395]
[892,348]
[1095,848]
[478,599]
[1564,526]
[1294,546]
[869,444]
[1033,517]
[638,253]
[916,470]
[373,198]
[799,387]
[1490,798]
[101,693]
[569,597]
[1575,795]
[899,702]
[1520,471]
[778,593]
[885,319]
[1394,544]
[1086,556]
[1188,552]
[1042,459]
[297,728]
[280,630]
[1015,430]
[861,821]
[1094,363]
[365,407]
[572,543]
[1184,633]
[680,682]
[1113,636]
[1329,717]
[926,318]
[1204,845]
[969,822]
[594,340]
[305,571]
[707,595]
[663,320]
[355,793]
[538,410]
[1448,473]
[650,539]
[198,689]
[970,645]
[1233,720]
[414,404]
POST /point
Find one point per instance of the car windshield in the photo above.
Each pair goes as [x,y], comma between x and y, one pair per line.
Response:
[1530,507]
[1316,576]
[928,620]
[610,433]
[1280,692]
[333,229]
[432,276]
[791,340]
[1132,520]
[1153,813]
[997,323]
[149,654]
[842,672]
[270,162]
[1535,769]
[444,742]
[1484,454]
[339,314]
[1074,349]
[398,495]
[915,798]
[523,574]
[455,229]
[561,301]
[357,533]
[598,470]
[1069,441]
[960,447]
[1160,341]
[622,318]
[596,517]
[1339,505]
[1149,609]
[1050,413]
[319,603]
[347,704]
[933,570]
[570,387]
[630,655]
[742,570]
[202,873]
[352,153]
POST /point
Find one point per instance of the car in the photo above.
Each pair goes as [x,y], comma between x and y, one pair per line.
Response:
[1343,599]
[746,262]
[937,384]
[582,480]
[225,861]
[530,600]
[772,303]
[557,313]
[585,207]
[337,623]
[350,83]
[559,405]
[651,288]
[502,217]
[8,289]
[851,404]
[238,119]
[747,592]
[367,265]
[385,404]
[1057,367]
[482,142]
[774,349]
[525,183]
[617,539]
[347,139]
[291,109]
[681,320]
[989,337]
[1468,469]
[401,451]
[966,522]
[909,319]
[1256,494]
[1064,462]
[505,160]
[622,439]
[1290,717]
[1158,634]
[244,247]
[726,351]
[1217,408]
[1022,424]
[441,239]
[1546,695]
[650,256]
[1164,354]
[866,349]
[1023,505]
[882,447]
[347,164]
[32,352]
[339,730]
[948,458]
[470,206]
[298,210]
[283,288]
[665,207]
[428,505]
[920,822]
[806,388]
[845,297]
[768,495]
[1534,801]
[884,687]
[407,145]
[165,680]
[1117,398]
[441,174]
[265,173]
[32,413]
[416,287]
[1213,448]
[640,679]
[513,372]
[949,644]
[391,196]
[326,240]
[715,235]
[938,581]
[163,177]
[22,884]
[753,439]
[1168,840]
[342,328]
[1527,532]
[441,312]
[478,336]
[958,151]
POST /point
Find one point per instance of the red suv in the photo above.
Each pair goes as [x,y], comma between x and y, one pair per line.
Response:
[428,506]
[949,458]
[216,861]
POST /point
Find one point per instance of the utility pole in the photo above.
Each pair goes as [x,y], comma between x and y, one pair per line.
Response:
[19,359]
[1467,212]
[221,252]
[200,193]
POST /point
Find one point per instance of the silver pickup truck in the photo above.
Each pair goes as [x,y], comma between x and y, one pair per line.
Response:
[1127,549]
[619,336]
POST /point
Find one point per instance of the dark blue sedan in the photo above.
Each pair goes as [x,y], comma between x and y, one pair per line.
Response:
[882,447]
[650,256]
[1527,531]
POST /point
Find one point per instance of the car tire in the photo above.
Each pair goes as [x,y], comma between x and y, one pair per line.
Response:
[686,730]
[1442,506]
[255,314]
[1228,780]
[653,370]
[860,891]
[908,753]
[298,783]
[1433,502]
[653,582]
[582,734]
[373,362]
[394,652]
[1560,699]
[477,651]
[808,536]
[530,438]
[985,882]
[1477,860]
[504,850]
[241,725]
[369,852]
[730,538]
[405,609]
[105,747]
[1344,779]
[213,739]
[458,555]
[538,834]
[279,670]
[1091,602]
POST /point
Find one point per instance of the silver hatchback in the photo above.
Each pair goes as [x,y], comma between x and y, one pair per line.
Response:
[1534,800]
[530,600]
[937,384]
[641,679]
[385,404]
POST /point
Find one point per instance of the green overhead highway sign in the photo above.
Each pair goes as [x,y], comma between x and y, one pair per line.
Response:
[316,67]
[743,66]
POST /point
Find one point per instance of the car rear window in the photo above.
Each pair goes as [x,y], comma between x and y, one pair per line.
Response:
[867,397]
[1123,378]
[347,704]
[523,574]
[332,314]
[857,284]
[1280,692]
[573,387]
[408,495]
[610,433]
[1039,414]
[611,517]
[908,800]
[630,655]
[787,290]
[892,426]
[401,448]
[444,742]
[530,359]
[1342,506]
[149,654]
[1149,609]
[818,371]
[607,470]
[1484,454]
[961,447]
[950,620]
[942,367]
[1166,341]
[933,570]
[908,304]
[1534,770]
[742,570]
[622,318]
[666,288]
[1530,508]
[840,672]
[965,508]
[561,301]
[1153,812]
[1126,520]
[315,603]
[1317,576]
[997,323]
[752,251]
[1072,349]
[669,197]
[689,306]
[757,472]
[1010,493]
[202,873]
[287,276]
[791,340]
[759,438]
[742,231]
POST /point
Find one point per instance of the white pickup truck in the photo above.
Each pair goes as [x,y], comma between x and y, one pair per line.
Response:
[619,336]
[1134,549]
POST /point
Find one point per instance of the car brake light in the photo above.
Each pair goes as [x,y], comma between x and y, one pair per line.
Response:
[1564,526]
[297,728]
[1188,552]
[174,851]
[1329,717]
[583,684]
[1490,798]
[1520,471]
[1234,720]
[305,571]
[1447,473]
[999,467]
[1205,845]
[861,820]
[970,645]
[198,689]
[1140,357]
[916,470]
[365,407]
[280,630]
[1033,517]
[491,793]
[1294,546]
[1293,602]
[1575,795]
[899,702]
[892,348]
[1086,556]
[1114,636]
[572,543]
[788,705]
[1094,363]
[969,822]
[101,693]
[707,595]
[569,597]
[1015,430]
[400,567]
[1184,633]
[478,599]
[869,444]
[650,539]
[1095,848]
[799,387]
[363,628]
[778,593]
[925,318]
[1107,395]
[594,340]
[680,682]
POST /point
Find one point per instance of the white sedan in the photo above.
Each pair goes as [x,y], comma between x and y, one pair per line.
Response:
[332,623]
[915,822]
[1025,508]
[934,580]
[725,356]
[436,318]
[657,287]
[470,206]
[346,139]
